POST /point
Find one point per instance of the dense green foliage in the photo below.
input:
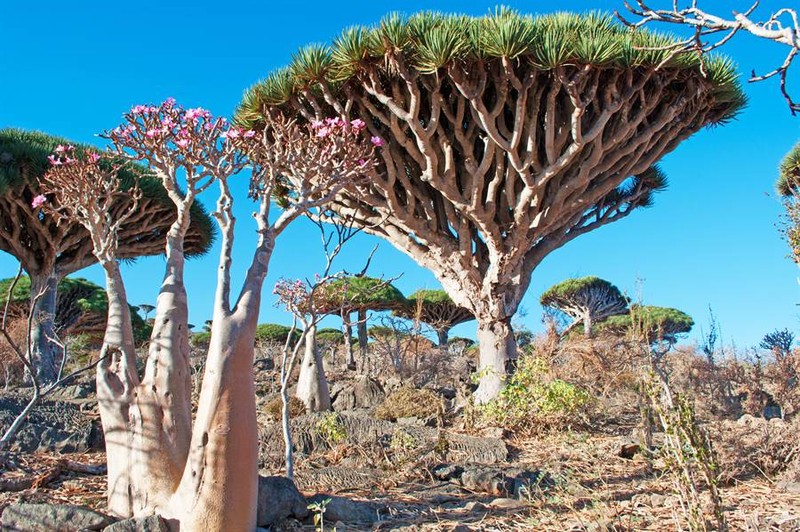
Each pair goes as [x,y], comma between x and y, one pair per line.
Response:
[429,41]
[789,172]
[330,336]
[274,332]
[568,289]
[75,295]
[359,293]
[653,323]
[531,398]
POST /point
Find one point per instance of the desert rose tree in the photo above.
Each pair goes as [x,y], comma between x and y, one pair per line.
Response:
[586,300]
[49,251]
[507,136]
[201,476]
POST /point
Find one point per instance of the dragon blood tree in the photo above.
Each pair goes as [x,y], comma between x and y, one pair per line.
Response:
[788,186]
[49,249]
[660,326]
[201,475]
[435,308]
[585,300]
[506,137]
[359,294]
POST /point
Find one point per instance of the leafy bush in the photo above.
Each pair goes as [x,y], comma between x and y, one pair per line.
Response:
[331,429]
[531,398]
[408,402]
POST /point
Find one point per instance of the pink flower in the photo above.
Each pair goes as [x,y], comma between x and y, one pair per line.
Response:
[335,121]
[60,148]
[138,109]
[233,134]
[169,102]
[377,141]
[182,143]
[249,134]
[38,201]
[362,163]
[323,132]
[69,160]
[316,124]
[53,160]
[94,157]
[358,124]
[152,133]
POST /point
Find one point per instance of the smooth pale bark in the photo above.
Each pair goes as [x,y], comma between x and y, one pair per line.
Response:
[497,348]
[312,385]
[44,352]
[587,324]
[116,380]
[219,487]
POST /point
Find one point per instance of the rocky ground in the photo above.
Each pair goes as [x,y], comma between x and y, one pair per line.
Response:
[405,474]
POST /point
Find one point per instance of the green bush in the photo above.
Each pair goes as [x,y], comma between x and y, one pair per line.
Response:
[531,398]
[331,429]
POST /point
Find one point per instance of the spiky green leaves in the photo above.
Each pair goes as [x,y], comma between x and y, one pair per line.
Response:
[577,288]
[430,41]
[789,173]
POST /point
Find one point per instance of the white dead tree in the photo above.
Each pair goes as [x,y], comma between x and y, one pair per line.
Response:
[201,475]
[712,31]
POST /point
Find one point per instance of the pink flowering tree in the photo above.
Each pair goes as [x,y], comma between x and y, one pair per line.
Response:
[202,475]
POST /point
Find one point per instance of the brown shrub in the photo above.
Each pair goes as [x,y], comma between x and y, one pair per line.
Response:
[274,407]
[408,402]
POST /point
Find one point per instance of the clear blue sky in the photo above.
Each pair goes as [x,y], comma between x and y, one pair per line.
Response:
[710,239]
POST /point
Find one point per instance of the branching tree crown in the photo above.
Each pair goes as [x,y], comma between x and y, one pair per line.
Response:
[586,300]
[656,324]
[435,308]
[506,137]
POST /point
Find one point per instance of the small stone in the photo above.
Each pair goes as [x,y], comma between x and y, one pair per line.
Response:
[505,503]
[475,507]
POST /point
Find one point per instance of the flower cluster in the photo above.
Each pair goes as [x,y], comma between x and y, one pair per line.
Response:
[292,294]
[38,201]
[331,126]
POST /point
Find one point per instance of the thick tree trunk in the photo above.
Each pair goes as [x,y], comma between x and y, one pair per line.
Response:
[219,487]
[363,339]
[587,324]
[347,330]
[312,385]
[44,352]
[497,348]
[443,337]
[117,380]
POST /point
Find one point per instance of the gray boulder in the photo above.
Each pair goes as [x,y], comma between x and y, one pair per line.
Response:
[347,511]
[153,523]
[278,499]
[52,518]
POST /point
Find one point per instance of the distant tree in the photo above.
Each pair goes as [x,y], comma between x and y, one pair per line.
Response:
[586,300]
[82,308]
[435,308]
[661,327]
[49,249]
[358,294]
[779,342]
[274,332]
[506,137]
